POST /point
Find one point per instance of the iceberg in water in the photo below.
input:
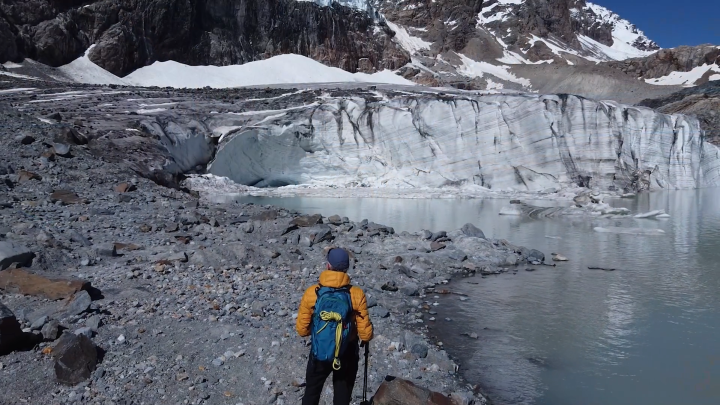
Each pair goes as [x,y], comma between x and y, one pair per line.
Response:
[629,231]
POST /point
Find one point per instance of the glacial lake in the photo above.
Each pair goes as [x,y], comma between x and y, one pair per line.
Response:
[646,333]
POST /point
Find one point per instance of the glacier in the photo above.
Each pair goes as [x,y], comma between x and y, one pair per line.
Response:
[513,142]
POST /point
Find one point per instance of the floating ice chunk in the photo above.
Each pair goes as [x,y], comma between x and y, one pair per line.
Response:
[629,231]
[511,211]
[653,214]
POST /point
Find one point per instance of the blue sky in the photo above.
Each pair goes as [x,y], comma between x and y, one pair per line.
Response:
[671,23]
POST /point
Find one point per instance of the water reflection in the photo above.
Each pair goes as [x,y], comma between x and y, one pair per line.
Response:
[645,333]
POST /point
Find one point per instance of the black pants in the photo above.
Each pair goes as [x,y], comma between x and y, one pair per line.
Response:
[343,379]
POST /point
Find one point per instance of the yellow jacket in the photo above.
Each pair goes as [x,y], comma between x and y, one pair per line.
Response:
[335,279]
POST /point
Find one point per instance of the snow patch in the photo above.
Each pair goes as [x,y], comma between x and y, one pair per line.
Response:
[151,110]
[11,65]
[83,70]
[474,68]
[288,68]
[408,42]
[18,76]
[496,13]
[18,90]
[687,79]
[618,51]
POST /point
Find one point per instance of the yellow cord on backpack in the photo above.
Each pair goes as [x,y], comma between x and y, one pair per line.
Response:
[334,316]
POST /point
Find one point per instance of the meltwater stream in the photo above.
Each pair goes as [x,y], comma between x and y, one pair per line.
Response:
[646,333]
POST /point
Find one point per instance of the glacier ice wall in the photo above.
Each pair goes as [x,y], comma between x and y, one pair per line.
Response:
[501,142]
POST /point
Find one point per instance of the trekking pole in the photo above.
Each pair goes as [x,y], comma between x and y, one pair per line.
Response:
[367,354]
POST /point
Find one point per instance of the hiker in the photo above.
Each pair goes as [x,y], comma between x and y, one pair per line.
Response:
[333,312]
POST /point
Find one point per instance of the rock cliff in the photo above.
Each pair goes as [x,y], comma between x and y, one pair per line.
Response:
[134,33]
[680,59]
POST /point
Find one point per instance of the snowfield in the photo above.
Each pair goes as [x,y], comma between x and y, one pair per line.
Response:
[281,69]
[687,79]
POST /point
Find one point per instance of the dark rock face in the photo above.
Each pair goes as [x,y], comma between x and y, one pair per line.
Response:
[10,332]
[135,33]
[75,358]
[396,391]
[666,61]
[431,15]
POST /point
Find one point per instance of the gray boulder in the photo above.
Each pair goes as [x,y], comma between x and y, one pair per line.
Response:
[319,233]
[419,350]
[437,235]
[11,252]
[79,304]
[335,220]
[536,256]
[472,231]
[61,149]
[51,330]
[409,290]
[379,312]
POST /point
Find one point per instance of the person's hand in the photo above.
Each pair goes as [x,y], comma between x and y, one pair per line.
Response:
[363,343]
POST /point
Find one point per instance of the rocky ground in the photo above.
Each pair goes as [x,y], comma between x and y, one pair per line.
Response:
[190,301]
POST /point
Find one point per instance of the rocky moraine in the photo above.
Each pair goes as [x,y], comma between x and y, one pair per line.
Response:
[118,290]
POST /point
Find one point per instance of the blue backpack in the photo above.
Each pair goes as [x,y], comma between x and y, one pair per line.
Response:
[331,323]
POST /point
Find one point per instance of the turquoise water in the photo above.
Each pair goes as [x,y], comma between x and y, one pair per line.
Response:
[647,333]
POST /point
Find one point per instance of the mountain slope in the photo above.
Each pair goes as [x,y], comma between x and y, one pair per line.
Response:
[508,34]
[570,46]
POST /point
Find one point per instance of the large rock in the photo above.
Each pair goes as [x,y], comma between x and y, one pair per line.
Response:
[307,221]
[67,197]
[75,358]
[79,303]
[472,231]
[10,331]
[20,281]
[396,391]
[50,330]
[11,252]
[319,233]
